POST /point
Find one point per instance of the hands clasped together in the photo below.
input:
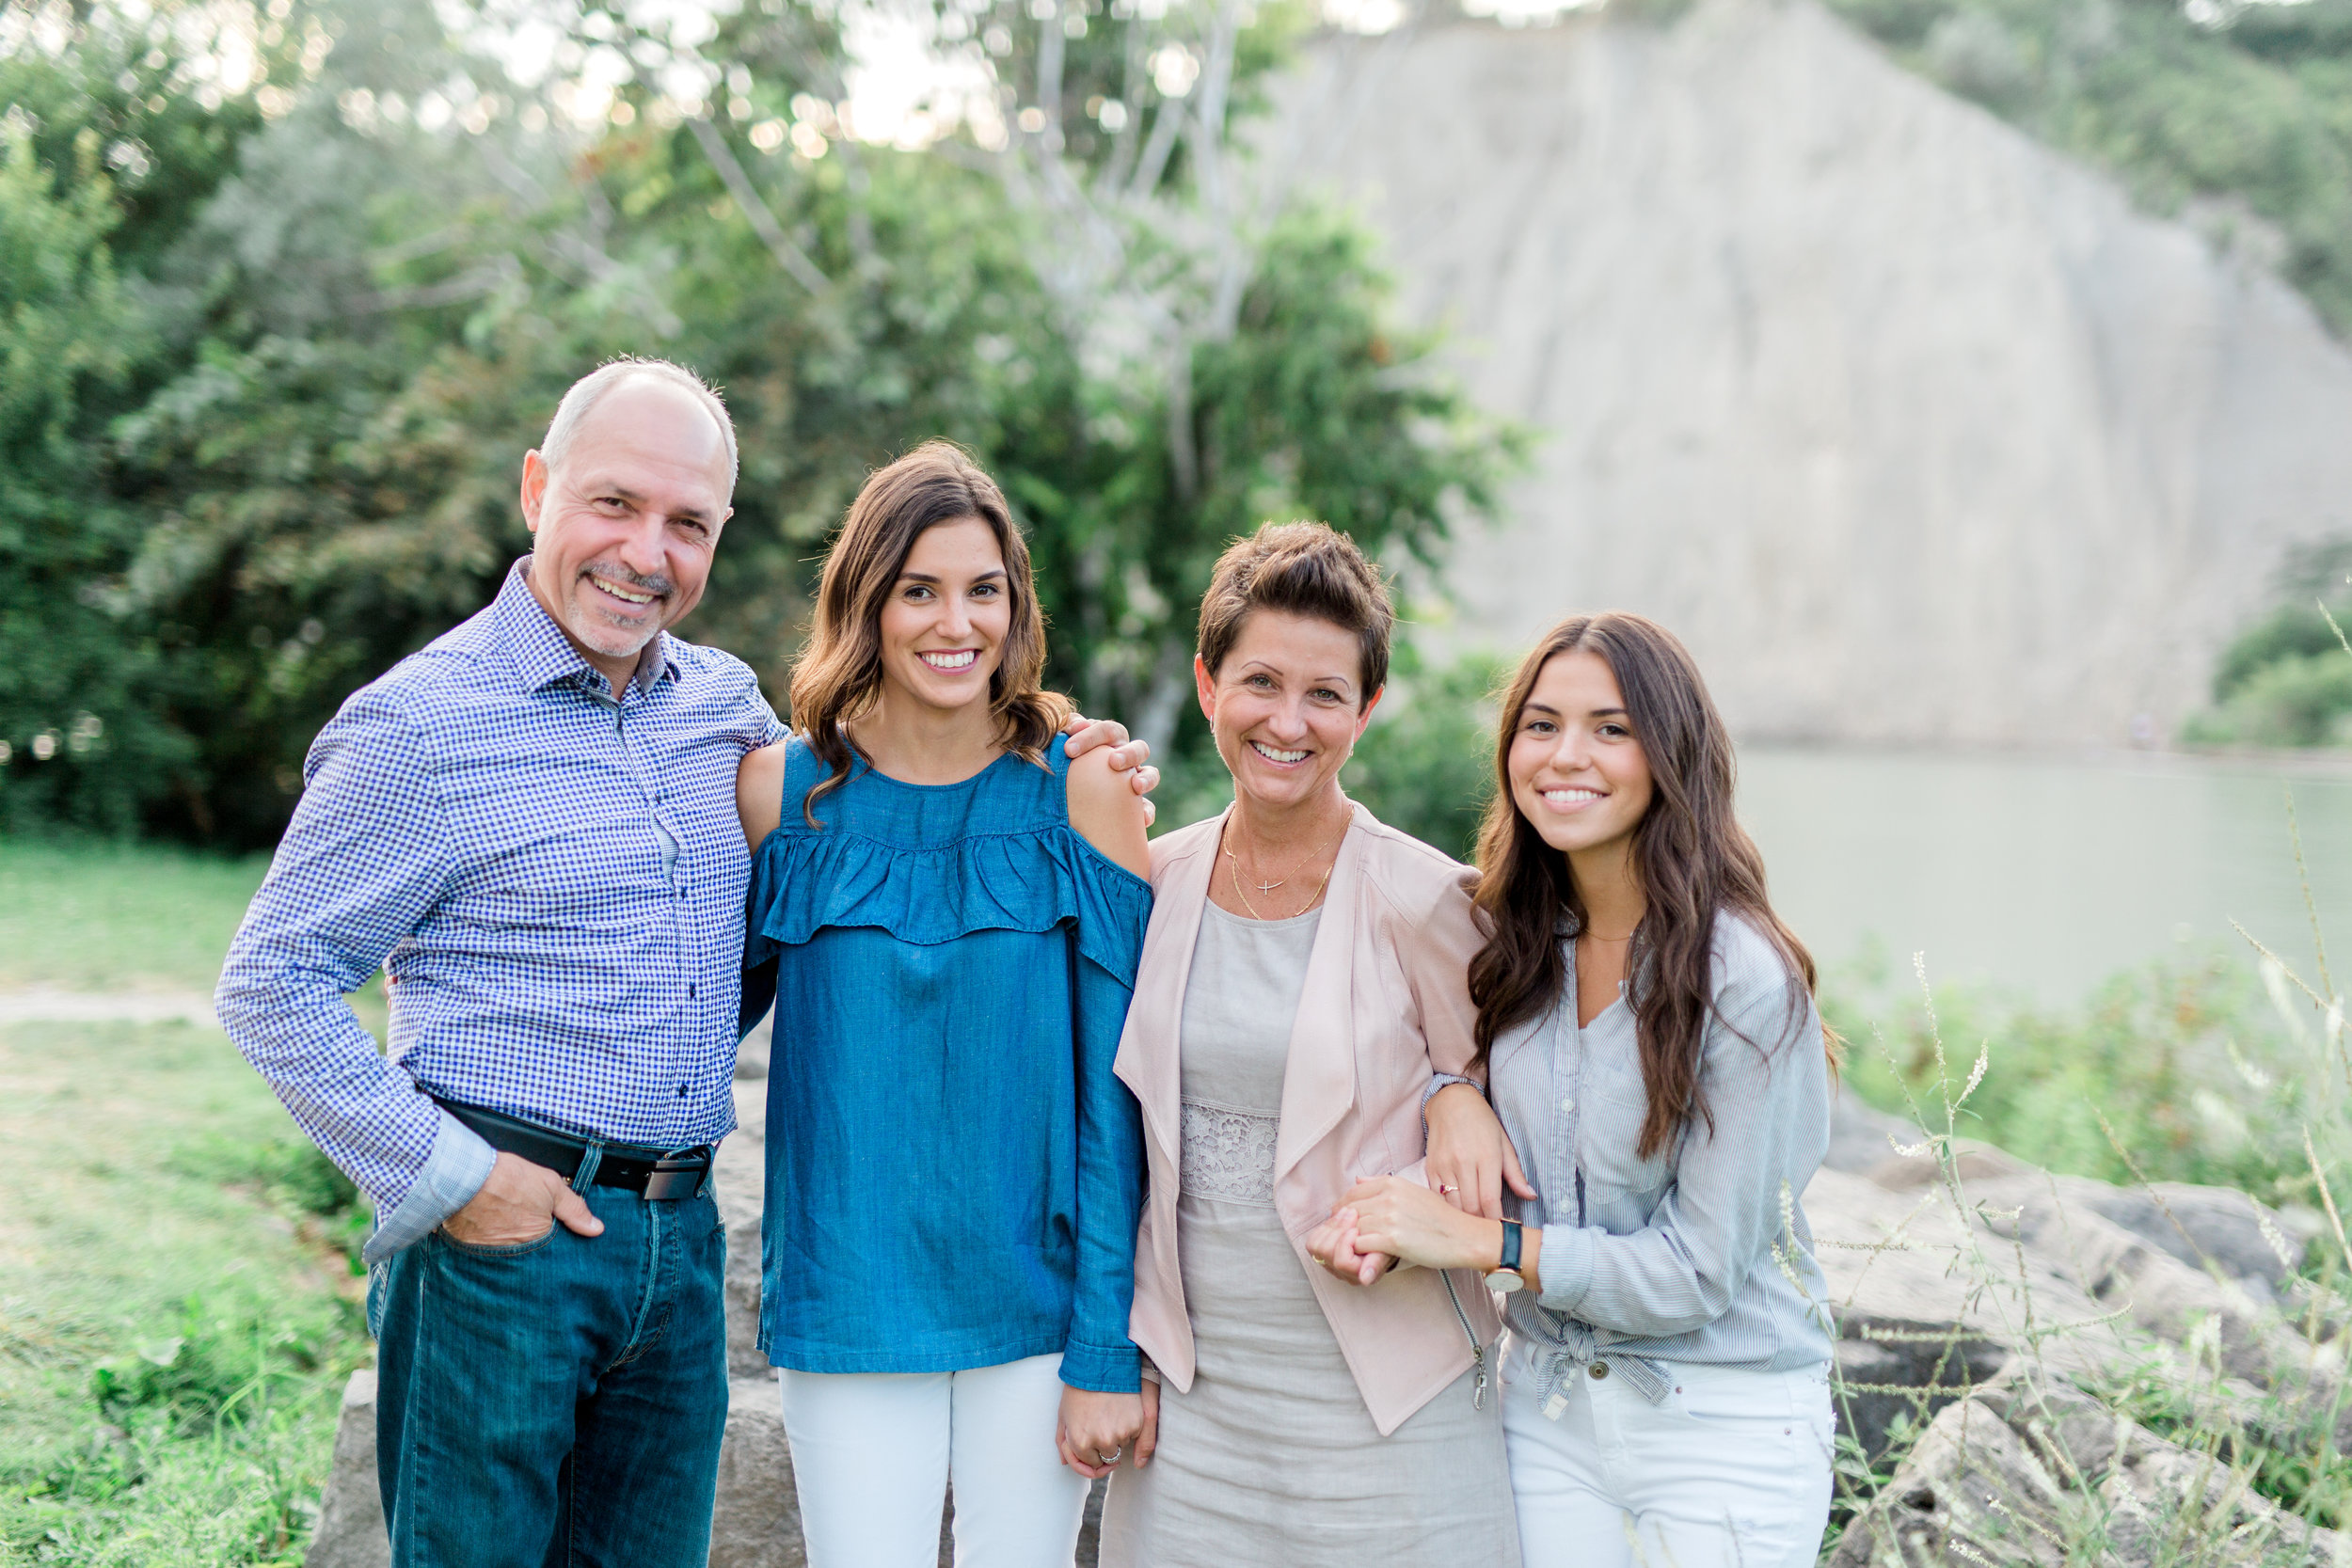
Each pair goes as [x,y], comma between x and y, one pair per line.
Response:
[1453,1223]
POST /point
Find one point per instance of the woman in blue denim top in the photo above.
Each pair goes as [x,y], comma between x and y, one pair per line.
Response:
[946,911]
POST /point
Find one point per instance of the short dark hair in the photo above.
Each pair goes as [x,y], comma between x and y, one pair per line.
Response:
[1305,569]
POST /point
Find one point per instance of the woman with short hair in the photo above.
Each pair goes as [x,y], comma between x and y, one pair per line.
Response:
[1649,1032]
[1302,995]
[946,911]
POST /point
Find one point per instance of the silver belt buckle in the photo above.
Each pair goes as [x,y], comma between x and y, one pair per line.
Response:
[665,1184]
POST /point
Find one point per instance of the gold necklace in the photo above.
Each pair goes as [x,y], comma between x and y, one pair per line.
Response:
[1242,893]
[1269,887]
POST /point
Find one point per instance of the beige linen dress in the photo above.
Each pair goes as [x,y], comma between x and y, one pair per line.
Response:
[1270,1460]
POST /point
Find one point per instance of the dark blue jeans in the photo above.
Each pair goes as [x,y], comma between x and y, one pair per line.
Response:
[557,1404]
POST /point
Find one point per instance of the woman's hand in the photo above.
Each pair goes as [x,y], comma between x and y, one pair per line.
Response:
[1470,1158]
[1147,1440]
[1095,1429]
[1411,1222]
[1131,757]
[1333,1244]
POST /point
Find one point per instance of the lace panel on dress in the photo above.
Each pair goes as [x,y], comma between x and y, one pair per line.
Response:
[1229,1155]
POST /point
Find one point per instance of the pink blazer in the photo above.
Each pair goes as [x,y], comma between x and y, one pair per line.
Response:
[1386,1004]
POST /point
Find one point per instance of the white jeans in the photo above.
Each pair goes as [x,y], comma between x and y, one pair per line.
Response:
[1731,1471]
[872,1453]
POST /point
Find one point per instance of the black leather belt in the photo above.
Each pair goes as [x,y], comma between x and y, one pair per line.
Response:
[662,1176]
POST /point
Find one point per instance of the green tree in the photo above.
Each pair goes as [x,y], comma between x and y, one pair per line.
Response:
[2286,679]
[74,729]
[2241,107]
[356,332]
[1425,764]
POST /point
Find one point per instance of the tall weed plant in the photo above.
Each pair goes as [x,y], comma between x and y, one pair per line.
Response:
[2137,1434]
[2151,1416]
[2188,1059]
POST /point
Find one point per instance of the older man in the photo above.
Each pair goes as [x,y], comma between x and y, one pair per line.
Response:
[532,825]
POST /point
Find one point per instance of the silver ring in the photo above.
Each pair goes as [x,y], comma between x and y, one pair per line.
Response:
[1110,1458]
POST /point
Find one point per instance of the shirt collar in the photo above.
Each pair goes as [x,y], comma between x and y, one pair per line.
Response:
[543,656]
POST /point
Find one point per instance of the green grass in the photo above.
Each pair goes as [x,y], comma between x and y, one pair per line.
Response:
[178,1307]
[96,916]
[176,1316]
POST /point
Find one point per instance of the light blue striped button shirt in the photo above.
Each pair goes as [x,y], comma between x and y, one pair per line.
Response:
[1699,1252]
[554,879]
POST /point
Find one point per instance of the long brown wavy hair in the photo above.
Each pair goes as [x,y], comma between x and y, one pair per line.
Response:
[838,674]
[1693,859]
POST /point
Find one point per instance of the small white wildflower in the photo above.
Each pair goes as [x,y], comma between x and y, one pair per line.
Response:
[2204,1341]
[2225,1125]
[1976,1074]
[2274,975]
[2273,1239]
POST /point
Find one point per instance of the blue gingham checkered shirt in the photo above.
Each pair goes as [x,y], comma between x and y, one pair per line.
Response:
[553,878]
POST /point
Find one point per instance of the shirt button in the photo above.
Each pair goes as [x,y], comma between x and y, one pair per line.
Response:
[1568,1105]
[690,994]
[681,1091]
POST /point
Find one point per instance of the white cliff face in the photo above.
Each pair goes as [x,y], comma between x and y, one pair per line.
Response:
[1914,430]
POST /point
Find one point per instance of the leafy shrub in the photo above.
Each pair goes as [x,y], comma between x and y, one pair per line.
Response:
[2187,1061]
[217,1367]
[2221,105]
[2298,700]
[1425,764]
[2285,681]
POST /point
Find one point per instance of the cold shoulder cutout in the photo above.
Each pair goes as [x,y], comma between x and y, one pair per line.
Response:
[931,863]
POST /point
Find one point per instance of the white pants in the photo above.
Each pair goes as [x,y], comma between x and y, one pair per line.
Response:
[1731,1471]
[872,1454]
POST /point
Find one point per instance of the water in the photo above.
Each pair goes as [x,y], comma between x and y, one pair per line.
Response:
[2047,875]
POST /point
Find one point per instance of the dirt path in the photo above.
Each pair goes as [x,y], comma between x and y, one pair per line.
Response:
[66,1006]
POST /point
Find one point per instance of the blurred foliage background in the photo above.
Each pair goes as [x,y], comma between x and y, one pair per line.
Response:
[2285,680]
[287,287]
[2235,115]
[287,290]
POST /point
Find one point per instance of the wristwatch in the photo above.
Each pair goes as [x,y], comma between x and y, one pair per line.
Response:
[1506,1276]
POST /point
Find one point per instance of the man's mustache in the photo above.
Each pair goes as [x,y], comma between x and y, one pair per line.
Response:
[657,585]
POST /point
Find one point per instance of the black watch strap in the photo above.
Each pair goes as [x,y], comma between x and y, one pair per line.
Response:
[1510,1246]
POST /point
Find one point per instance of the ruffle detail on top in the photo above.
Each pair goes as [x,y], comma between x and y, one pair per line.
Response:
[805,880]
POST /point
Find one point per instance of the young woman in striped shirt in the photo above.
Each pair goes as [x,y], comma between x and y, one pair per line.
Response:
[1652,1047]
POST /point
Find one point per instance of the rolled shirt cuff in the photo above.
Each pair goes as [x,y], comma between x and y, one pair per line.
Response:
[1445,1080]
[1567,1268]
[453,1172]
[1102,1368]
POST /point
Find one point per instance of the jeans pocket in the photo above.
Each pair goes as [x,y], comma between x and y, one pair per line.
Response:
[497,1249]
[1748,1407]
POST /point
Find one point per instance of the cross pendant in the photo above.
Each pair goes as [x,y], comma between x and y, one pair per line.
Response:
[1267,887]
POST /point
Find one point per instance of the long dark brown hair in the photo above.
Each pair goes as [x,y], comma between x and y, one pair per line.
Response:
[1693,859]
[838,674]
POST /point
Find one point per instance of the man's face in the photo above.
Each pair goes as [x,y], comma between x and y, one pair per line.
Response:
[622,533]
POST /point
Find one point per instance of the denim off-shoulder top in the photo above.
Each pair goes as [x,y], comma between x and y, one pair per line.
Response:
[954,1175]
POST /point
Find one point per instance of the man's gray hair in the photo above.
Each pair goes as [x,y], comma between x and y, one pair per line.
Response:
[557,444]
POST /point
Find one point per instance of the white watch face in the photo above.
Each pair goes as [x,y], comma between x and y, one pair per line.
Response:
[1505,1280]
